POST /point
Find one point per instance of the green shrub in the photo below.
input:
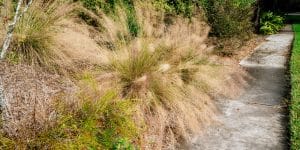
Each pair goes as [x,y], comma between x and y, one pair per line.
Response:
[229,18]
[270,23]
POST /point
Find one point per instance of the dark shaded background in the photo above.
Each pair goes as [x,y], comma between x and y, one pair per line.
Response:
[281,5]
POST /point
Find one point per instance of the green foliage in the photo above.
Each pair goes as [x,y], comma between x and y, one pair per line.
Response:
[110,6]
[229,18]
[123,144]
[107,5]
[271,23]
[6,143]
[295,93]
[178,7]
[133,25]
[13,58]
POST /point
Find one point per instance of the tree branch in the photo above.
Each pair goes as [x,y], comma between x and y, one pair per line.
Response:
[12,26]
[4,104]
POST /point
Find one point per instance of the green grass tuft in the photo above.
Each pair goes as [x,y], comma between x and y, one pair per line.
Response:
[33,34]
[159,76]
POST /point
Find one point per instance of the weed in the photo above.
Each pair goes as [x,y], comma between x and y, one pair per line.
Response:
[13,58]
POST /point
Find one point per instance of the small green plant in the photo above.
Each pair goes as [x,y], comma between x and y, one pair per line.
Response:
[271,23]
[123,144]
[13,58]
[6,143]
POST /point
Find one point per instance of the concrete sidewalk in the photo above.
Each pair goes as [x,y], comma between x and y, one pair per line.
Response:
[257,119]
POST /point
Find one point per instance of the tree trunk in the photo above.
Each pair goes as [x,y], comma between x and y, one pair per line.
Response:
[257,15]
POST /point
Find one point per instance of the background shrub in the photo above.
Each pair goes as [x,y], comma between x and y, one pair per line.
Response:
[229,18]
[110,7]
[177,7]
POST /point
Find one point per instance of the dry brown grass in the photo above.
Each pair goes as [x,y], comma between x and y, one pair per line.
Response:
[174,104]
[30,93]
[166,70]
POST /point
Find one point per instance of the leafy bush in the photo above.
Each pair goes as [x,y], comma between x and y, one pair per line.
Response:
[271,23]
[229,18]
